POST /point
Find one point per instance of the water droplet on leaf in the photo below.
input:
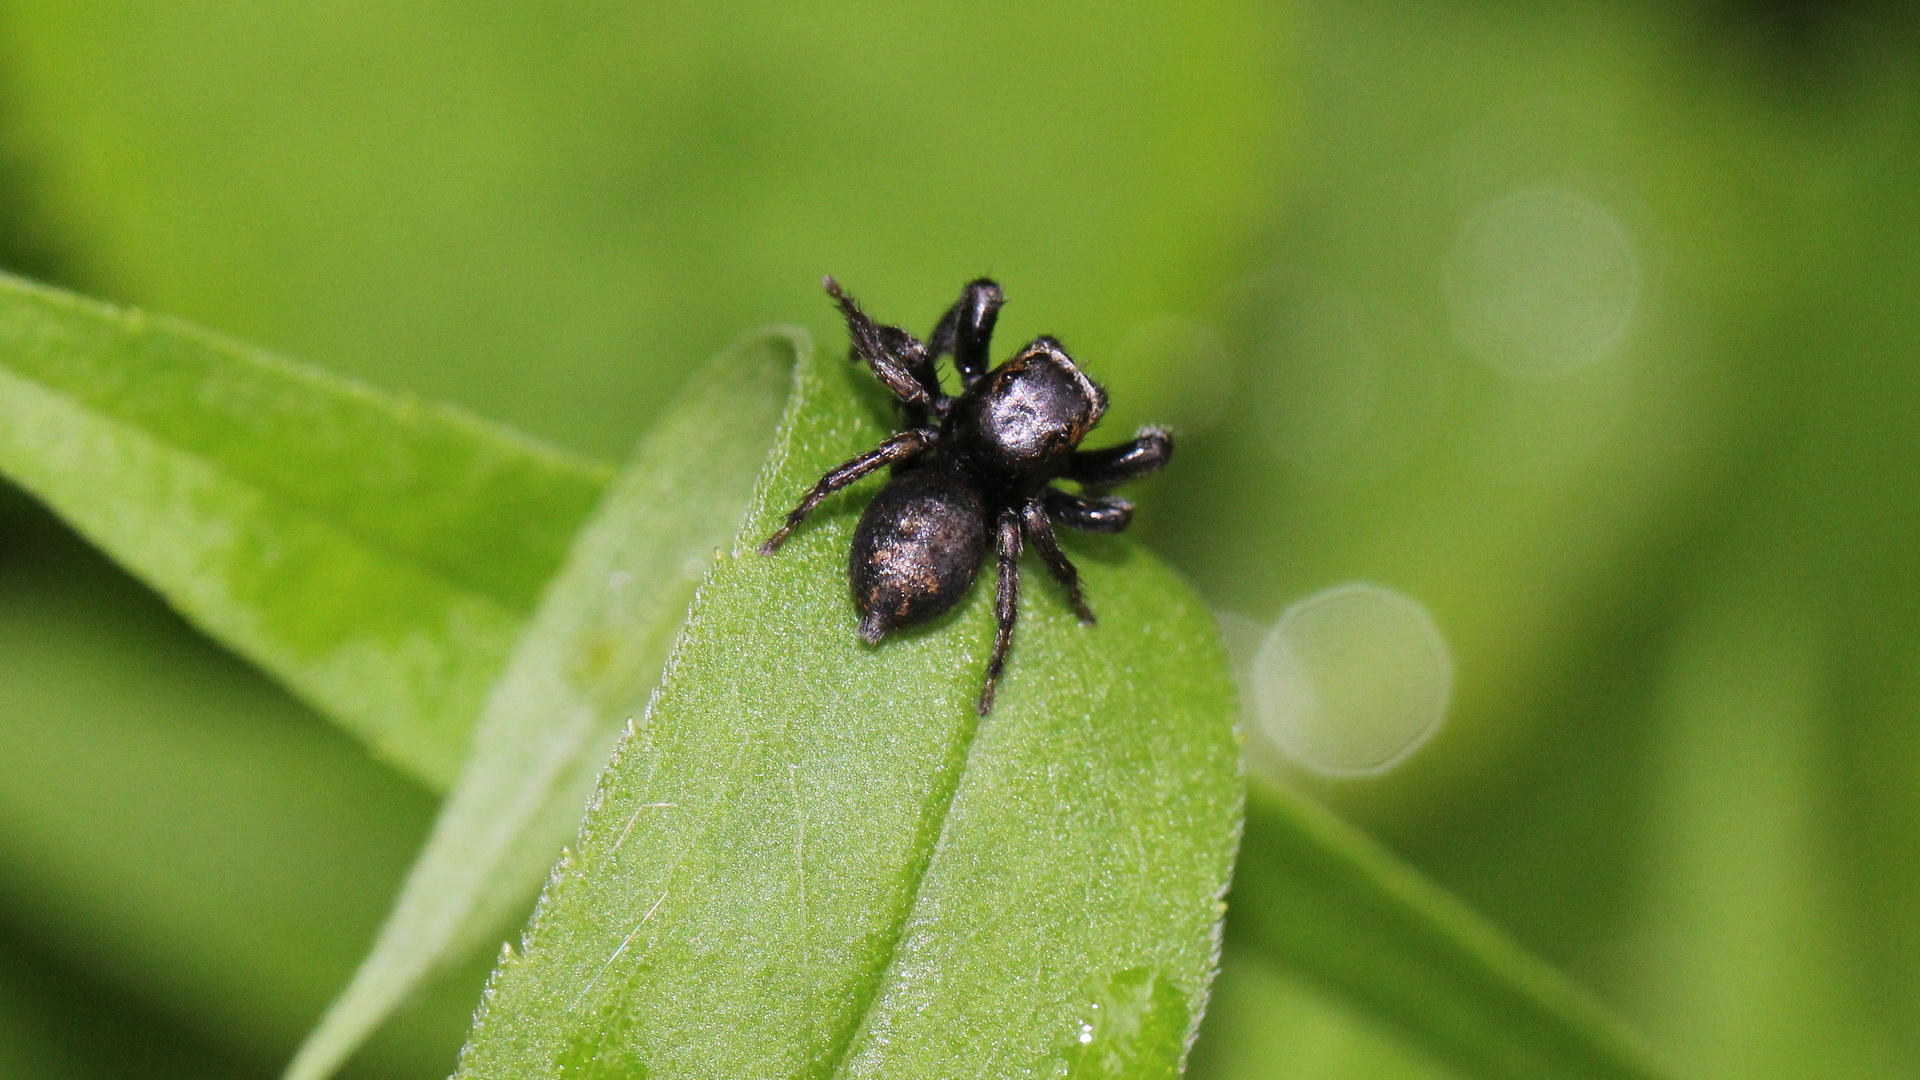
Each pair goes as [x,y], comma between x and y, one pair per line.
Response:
[1136,1027]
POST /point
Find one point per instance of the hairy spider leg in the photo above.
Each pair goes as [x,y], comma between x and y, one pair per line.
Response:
[892,353]
[1088,513]
[1148,452]
[1006,602]
[1040,531]
[920,365]
[966,330]
[896,448]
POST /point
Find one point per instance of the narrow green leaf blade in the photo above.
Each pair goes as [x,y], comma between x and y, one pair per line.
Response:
[811,858]
[376,554]
[1318,897]
[585,666]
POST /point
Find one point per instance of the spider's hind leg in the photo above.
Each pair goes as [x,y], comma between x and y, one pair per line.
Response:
[899,448]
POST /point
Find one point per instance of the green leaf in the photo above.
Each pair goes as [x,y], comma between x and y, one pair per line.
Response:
[812,858]
[1324,900]
[376,554]
[588,659]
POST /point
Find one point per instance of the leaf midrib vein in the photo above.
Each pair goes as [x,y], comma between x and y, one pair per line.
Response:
[933,831]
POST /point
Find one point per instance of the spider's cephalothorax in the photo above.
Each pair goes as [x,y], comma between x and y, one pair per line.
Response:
[974,470]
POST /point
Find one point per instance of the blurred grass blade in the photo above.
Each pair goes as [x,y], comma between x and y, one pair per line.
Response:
[811,858]
[584,666]
[376,554]
[1318,897]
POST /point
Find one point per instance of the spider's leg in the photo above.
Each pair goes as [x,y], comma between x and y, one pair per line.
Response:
[966,330]
[1006,602]
[1088,513]
[1148,452]
[896,357]
[919,364]
[897,448]
[1034,515]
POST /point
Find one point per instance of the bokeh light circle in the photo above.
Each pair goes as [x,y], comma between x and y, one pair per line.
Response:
[1351,680]
[1542,281]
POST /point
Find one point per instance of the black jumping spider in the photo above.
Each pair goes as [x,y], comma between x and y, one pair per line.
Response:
[969,467]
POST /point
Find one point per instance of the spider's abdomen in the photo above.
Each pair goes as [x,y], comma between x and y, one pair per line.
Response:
[917,548]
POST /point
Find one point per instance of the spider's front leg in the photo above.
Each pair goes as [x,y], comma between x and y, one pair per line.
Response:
[896,357]
[966,330]
[898,448]
[1034,516]
[1148,452]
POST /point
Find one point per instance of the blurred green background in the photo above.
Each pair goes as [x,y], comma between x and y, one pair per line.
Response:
[1662,504]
